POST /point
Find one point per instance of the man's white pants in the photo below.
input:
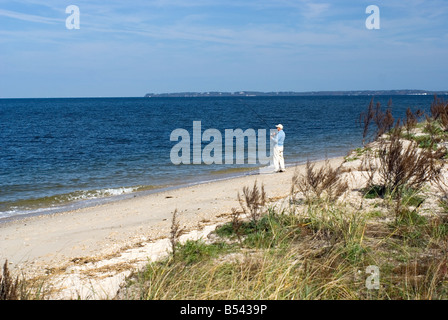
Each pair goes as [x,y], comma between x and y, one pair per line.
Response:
[279,162]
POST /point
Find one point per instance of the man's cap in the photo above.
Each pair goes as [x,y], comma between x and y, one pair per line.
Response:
[279,126]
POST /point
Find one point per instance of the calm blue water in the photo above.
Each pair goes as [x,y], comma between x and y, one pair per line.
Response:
[57,152]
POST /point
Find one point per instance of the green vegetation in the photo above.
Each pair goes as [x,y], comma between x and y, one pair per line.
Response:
[321,252]
[357,154]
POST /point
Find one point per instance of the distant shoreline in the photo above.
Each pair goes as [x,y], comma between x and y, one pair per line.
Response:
[295,94]
[240,94]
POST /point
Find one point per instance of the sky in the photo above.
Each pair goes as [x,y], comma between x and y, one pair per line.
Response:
[130,48]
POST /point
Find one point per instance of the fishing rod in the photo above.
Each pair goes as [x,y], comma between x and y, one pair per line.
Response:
[253,110]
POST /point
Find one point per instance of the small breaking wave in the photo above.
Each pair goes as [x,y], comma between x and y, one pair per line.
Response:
[61,201]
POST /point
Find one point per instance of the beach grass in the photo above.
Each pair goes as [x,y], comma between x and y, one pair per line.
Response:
[20,288]
[322,253]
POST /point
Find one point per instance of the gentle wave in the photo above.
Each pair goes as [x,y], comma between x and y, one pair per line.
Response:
[27,206]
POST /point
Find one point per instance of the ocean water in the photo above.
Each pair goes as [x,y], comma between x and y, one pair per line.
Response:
[58,154]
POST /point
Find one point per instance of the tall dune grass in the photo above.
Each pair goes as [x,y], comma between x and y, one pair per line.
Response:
[324,256]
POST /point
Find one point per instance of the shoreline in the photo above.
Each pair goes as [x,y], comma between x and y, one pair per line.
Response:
[88,252]
[92,202]
[39,245]
[87,203]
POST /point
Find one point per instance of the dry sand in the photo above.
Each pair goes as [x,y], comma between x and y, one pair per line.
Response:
[89,251]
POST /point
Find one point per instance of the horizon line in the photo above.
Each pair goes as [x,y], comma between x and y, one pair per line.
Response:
[246,93]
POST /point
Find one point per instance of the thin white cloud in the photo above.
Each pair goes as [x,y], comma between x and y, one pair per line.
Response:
[313,10]
[28,17]
[133,25]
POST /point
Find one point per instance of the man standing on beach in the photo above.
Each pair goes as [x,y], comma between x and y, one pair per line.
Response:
[279,138]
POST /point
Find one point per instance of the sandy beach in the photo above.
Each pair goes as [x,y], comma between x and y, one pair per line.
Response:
[57,242]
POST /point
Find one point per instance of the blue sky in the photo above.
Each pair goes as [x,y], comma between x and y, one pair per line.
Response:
[129,48]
